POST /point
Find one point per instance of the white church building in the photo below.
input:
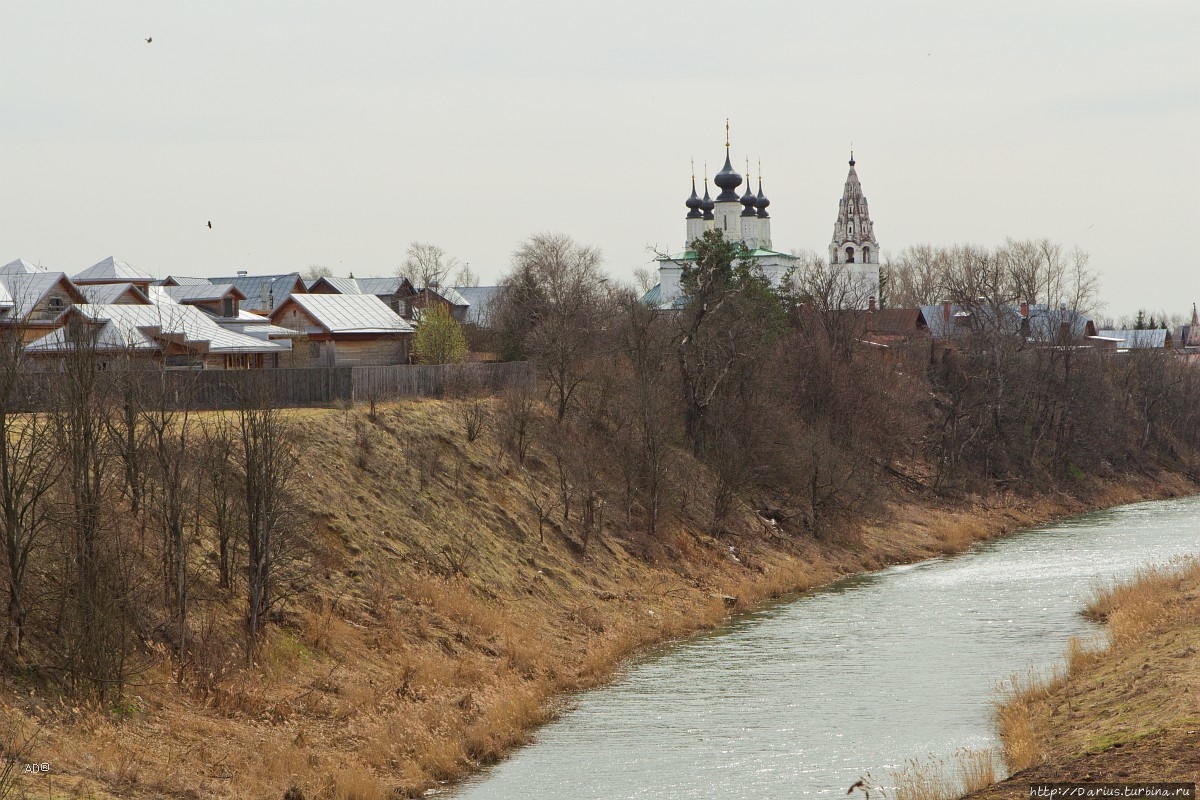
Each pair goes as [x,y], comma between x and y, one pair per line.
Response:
[745,219]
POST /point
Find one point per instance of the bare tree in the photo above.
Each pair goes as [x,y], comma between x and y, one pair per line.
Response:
[314,271]
[427,265]
[556,304]
[176,479]
[645,340]
[28,471]
[221,508]
[465,276]
[267,462]
[98,642]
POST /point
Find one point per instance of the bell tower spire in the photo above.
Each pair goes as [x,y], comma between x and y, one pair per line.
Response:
[854,243]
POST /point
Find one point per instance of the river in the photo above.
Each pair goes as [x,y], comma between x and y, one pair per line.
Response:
[805,697]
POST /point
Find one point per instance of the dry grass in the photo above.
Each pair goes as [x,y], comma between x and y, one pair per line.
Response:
[1107,691]
[944,778]
[1135,608]
[1016,715]
[976,769]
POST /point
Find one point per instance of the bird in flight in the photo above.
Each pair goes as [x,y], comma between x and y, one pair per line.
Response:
[210,224]
[149,39]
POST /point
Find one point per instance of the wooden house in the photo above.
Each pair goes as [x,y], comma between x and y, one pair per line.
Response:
[263,294]
[345,329]
[33,300]
[168,335]
[396,292]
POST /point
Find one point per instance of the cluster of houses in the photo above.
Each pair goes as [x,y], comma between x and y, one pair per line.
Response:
[1035,323]
[248,321]
[237,322]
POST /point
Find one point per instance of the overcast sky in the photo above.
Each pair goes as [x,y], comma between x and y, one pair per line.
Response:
[336,133]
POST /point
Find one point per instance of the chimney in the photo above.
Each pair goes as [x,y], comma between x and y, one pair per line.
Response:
[1024,309]
[871,304]
[946,310]
[243,273]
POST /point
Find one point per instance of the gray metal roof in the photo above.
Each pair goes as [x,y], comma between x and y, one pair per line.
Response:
[194,293]
[342,285]
[257,288]
[136,328]
[351,313]
[481,300]
[112,270]
[23,291]
[183,280]
[1137,339]
[19,267]
[382,287]
[1044,321]
[104,293]
[450,295]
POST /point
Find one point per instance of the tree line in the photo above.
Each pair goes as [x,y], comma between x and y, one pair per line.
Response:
[112,498]
[795,414]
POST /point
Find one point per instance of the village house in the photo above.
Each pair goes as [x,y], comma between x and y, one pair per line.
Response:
[32,299]
[1035,323]
[113,270]
[169,335]
[345,329]
[263,294]
[396,292]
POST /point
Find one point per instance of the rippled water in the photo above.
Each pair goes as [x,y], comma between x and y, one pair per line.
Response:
[805,697]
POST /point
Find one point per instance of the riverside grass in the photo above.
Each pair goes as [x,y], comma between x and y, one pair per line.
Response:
[437,631]
[1125,694]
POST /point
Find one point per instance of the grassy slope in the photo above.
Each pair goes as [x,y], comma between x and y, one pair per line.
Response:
[392,672]
[1129,712]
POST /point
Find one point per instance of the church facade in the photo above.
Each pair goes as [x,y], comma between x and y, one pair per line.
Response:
[744,218]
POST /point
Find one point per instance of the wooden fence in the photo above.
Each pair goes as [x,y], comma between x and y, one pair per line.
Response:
[289,387]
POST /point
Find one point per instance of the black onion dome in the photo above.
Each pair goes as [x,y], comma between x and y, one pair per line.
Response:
[694,203]
[707,204]
[747,201]
[727,180]
[761,201]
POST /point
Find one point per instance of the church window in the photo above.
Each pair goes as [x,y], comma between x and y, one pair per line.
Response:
[849,255]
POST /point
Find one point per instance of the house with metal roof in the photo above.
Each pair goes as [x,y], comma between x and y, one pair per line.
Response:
[170,335]
[113,270]
[345,329]
[33,301]
[1136,339]
[448,296]
[217,299]
[115,294]
[20,266]
[396,292]
[264,293]
[481,301]
[1033,322]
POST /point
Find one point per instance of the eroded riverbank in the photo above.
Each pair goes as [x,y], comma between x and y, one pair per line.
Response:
[850,682]
[442,625]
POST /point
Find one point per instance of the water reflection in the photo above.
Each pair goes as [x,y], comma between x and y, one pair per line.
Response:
[804,697]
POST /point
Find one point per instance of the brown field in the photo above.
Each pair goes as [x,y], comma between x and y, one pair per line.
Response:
[434,630]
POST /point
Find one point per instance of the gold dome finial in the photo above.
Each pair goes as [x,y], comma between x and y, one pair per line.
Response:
[727,133]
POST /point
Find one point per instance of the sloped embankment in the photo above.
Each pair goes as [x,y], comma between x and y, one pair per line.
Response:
[1128,711]
[434,615]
